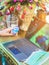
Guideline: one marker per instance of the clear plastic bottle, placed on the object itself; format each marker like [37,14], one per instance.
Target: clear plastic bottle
[8,18]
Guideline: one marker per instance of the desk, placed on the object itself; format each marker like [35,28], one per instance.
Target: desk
[6,39]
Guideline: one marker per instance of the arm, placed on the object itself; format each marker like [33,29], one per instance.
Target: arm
[6,32]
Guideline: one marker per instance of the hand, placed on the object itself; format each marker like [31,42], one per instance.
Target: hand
[6,32]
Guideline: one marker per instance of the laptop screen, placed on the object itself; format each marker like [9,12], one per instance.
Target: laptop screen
[14,50]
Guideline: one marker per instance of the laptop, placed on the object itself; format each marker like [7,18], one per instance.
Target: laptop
[26,50]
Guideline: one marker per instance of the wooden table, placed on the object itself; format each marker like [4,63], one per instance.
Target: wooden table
[6,39]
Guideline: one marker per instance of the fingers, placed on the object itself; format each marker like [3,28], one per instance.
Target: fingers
[6,34]
[7,30]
